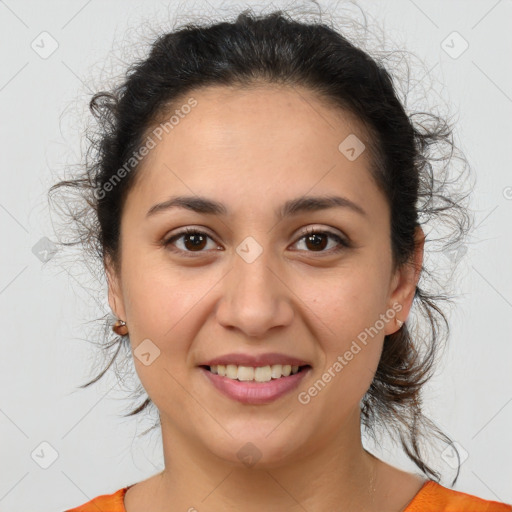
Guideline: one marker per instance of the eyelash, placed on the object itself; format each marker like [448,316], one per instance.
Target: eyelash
[343,244]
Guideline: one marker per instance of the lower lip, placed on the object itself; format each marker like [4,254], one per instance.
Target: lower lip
[255,392]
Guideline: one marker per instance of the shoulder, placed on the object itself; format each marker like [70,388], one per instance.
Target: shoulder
[106,503]
[434,497]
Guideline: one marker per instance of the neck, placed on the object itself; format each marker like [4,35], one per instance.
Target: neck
[335,475]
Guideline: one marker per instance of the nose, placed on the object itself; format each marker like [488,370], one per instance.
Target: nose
[256,297]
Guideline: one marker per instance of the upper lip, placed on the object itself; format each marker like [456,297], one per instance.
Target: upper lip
[268,359]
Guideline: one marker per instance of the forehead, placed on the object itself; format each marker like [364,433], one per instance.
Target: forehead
[225,116]
[257,143]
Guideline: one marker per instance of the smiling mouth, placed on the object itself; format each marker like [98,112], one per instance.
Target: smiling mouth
[255,373]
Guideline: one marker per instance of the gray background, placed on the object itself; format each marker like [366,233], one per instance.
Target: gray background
[44,307]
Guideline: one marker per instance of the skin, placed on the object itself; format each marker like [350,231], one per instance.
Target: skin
[253,150]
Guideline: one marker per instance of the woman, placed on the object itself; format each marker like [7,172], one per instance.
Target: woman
[258,188]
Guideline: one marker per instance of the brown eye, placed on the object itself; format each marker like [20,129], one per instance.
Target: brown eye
[193,241]
[197,241]
[317,240]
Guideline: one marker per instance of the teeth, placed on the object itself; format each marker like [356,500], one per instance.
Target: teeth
[276,371]
[231,371]
[245,373]
[262,374]
[258,373]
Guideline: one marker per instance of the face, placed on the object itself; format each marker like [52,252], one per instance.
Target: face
[250,285]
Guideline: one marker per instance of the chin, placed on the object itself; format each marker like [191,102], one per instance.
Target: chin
[263,448]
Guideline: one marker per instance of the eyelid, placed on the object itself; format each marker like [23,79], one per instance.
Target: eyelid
[322,229]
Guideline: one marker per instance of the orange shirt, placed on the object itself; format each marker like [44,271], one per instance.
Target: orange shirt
[432,497]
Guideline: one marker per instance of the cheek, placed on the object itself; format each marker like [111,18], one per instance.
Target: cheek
[159,298]
[348,327]
[347,303]
[163,307]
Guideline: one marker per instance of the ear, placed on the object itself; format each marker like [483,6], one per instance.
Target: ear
[403,285]
[115,296]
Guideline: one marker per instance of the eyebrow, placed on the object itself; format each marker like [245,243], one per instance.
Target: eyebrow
[207,206]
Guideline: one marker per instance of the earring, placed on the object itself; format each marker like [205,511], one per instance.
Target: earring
[120,328]
[400,323]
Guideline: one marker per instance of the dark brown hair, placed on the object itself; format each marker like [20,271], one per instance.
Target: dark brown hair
[412,155]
